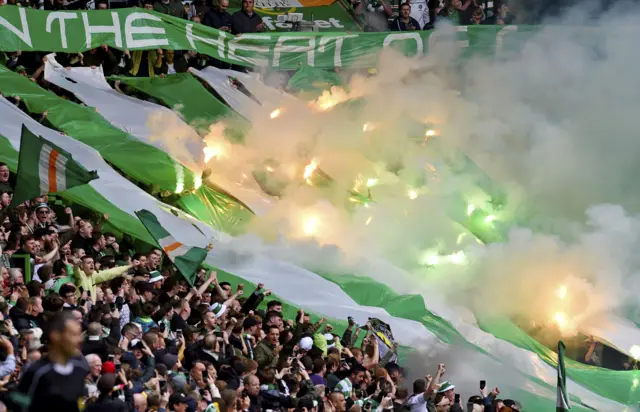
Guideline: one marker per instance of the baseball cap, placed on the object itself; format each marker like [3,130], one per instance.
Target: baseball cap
[445,386]
[143,287]
[306,343]
[179,382]
[170,360]
[188,330]
[155,276]
[177,398]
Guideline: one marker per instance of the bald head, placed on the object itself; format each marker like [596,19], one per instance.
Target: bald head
[222,5]
[338,401]
[94,329]
[139,402]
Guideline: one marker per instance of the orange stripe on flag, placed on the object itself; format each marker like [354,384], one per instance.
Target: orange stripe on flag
[53,156]
[172,247]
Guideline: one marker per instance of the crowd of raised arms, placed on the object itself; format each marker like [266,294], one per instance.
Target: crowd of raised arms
[90,323]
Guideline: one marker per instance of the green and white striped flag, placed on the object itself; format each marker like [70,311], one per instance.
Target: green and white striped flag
[185,258]
[562,401]
[45,168]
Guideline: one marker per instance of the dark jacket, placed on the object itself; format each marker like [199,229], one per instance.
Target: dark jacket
[274,400]
[21,320]
[264,354]
[98,347]
[173,8]
[251,304]
[214,18]
[241,22]
[107,403]
[79,242]
[398,25]
[100,57]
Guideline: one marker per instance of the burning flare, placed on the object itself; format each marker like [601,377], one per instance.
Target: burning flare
[562,292]
[560,318]
[309,169]
[275,113]
[329,99]
[212,151]
[311,225]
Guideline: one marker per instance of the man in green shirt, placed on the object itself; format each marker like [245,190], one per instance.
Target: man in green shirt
[355,378]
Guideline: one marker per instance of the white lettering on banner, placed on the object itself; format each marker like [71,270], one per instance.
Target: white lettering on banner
[405,36]
[219,43]
[320,24]
[268,22]
[62,16]
[257,61]
[24,35]
[336,23]
[271,4]
[337,55]
[447,32]
[500,37]
[281,48]
[130,30]
[91,30]
[462,43]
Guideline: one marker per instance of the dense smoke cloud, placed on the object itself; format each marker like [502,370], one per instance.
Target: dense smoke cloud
[552,125]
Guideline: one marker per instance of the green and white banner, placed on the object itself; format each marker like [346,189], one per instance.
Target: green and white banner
[532,378]
[136,29]
[44,168]
[187,259]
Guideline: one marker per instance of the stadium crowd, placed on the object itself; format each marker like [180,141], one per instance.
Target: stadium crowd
[89,323]
[97,323]
[373,15]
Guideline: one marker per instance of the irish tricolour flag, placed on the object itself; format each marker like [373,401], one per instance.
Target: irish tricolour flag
[45,168]
[562,401]
[185,258]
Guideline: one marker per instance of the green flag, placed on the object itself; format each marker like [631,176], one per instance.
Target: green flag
[313,81]
[45,168]
[562,401]
[186,259]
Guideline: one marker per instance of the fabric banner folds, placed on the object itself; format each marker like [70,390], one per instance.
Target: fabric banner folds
[186,259]
[135,29]
[44,168]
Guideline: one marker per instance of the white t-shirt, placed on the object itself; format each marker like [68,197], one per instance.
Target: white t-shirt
[417,403]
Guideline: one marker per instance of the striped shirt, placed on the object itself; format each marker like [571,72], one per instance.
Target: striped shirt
[345,386]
